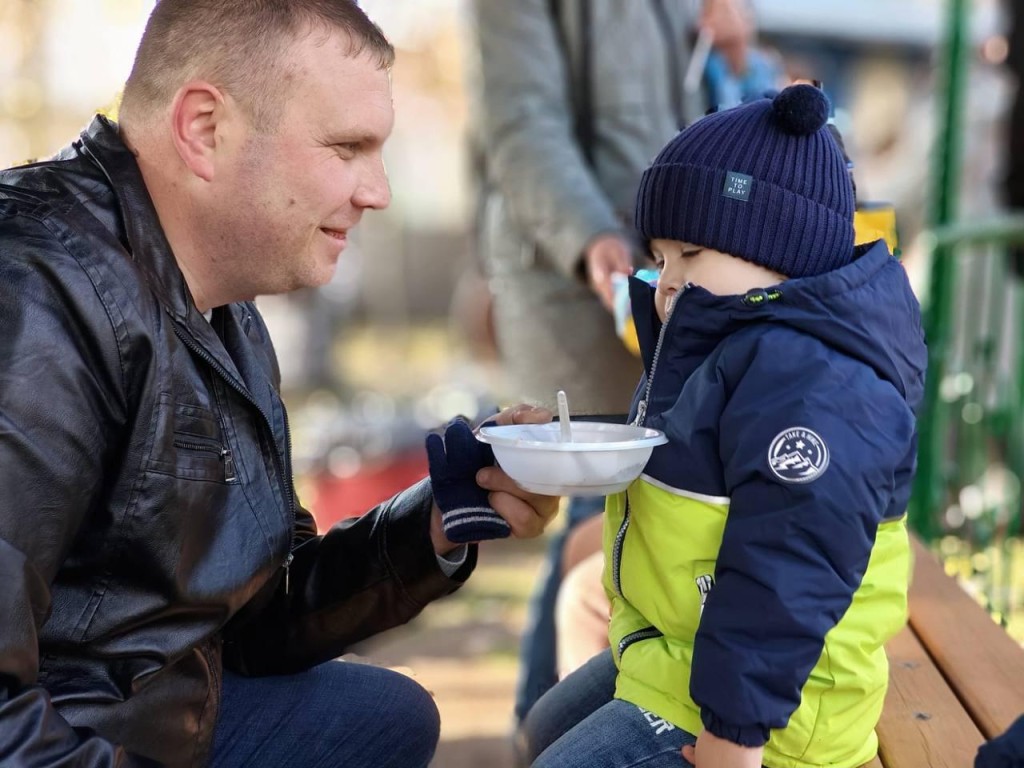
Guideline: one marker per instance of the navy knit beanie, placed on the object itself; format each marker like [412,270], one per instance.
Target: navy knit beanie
[764,181]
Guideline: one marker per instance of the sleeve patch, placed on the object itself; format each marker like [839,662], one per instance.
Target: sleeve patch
[798,455]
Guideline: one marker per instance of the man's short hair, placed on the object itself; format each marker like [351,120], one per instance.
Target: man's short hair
[237,45]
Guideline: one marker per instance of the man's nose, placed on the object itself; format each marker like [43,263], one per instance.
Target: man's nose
[374,189]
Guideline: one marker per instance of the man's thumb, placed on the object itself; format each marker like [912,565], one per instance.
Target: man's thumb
[690,754]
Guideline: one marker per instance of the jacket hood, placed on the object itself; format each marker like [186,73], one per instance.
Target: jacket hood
[865,310]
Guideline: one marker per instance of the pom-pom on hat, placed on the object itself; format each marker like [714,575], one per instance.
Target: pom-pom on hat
[764,181]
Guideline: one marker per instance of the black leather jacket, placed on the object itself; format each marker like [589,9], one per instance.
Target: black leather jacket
[147,512]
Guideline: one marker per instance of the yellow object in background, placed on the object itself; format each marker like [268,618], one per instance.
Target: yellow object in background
[628,335]
[876,221]
[624,325]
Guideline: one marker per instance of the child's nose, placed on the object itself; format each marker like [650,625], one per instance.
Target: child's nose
[665,288]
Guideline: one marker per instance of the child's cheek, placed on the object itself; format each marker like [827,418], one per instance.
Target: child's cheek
[660,304]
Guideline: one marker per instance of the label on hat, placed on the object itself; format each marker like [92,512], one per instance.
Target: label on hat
[738,186]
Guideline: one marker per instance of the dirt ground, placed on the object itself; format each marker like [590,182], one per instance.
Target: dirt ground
[464,650]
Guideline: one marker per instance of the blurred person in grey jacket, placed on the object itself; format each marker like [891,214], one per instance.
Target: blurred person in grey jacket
[573,99]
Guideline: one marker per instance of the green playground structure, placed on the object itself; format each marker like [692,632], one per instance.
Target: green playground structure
[971,452]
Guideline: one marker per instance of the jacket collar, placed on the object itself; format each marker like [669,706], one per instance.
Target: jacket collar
[698,322]
[865,310]
[147,243]
[101,141]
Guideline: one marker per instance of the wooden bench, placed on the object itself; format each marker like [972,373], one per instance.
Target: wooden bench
[956,677]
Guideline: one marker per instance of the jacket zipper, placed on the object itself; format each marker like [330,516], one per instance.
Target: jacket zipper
[647,633]
[288,573]
[641,415]
[282,462]
[223,453]
[287,459]
[620,540]
[641,408]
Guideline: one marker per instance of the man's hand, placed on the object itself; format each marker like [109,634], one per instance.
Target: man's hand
[604,256]
[526,513]
[713,752]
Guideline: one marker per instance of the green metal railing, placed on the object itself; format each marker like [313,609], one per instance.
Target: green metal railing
[930,485]
[971,453]
[971,428]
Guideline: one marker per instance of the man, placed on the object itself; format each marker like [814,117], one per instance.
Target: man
[156,565]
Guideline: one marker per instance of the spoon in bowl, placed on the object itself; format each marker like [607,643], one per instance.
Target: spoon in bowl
[563,417]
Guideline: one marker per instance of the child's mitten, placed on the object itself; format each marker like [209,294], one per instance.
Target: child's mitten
[454,461]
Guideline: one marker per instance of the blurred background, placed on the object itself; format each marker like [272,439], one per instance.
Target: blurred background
[400,342]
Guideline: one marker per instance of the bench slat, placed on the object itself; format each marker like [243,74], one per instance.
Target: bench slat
[876,763]
[982,663]
[941,736]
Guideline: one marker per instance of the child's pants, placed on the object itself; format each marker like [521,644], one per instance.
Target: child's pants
[578,724]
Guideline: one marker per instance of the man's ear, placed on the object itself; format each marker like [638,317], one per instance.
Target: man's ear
[197,108]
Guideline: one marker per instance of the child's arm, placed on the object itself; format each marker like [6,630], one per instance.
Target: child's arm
[816,451]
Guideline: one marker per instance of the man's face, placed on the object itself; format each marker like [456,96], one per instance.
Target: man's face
[284,201]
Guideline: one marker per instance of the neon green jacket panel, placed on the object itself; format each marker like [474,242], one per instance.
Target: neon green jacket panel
[660,558]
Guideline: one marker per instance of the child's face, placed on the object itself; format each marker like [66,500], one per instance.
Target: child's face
[720,273]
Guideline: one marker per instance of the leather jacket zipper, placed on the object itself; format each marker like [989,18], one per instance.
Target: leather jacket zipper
[283,463]
[223,453]
[288,573]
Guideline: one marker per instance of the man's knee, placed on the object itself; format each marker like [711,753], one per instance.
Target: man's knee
[415,722]
[394,715]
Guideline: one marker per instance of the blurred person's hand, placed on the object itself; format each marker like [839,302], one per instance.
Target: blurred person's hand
[527,514]
[604,256]
[711,751]
[731,26]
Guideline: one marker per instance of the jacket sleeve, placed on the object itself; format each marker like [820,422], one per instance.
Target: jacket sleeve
[60,406]
[798,537]
[363,576]
[528,132]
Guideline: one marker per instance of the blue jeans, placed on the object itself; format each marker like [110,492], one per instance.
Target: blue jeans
[538,660]
[337,714]
[578,724]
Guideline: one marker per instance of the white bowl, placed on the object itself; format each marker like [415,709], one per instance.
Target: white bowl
[602,458]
